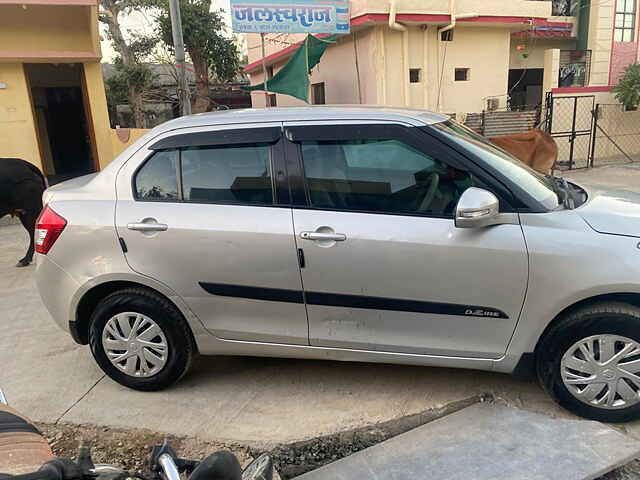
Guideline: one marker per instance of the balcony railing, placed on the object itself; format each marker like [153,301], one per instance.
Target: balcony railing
[563,8]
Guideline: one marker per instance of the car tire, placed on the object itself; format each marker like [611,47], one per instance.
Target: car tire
[154,367]
[576,349]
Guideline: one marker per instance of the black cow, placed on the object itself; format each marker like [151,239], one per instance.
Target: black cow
[21,188]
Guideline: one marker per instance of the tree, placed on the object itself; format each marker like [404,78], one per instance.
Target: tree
[133,77]
[211,53]
[627,90]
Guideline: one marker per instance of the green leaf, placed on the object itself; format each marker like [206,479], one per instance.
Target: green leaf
[627,90]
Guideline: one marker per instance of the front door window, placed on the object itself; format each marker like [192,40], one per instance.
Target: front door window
[386,176]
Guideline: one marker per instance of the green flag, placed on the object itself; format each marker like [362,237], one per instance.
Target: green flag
[293,78]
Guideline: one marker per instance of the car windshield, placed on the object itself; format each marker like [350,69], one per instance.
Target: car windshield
[541,188]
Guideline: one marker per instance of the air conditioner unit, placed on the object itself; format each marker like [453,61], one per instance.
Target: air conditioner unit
[493,104]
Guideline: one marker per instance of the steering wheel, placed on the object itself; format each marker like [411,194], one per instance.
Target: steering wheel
[433,181]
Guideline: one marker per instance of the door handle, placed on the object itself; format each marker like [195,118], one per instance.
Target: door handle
[336,237]
[148,227]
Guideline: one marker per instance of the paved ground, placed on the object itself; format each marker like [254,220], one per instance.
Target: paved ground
[624,177]
[261,401]
[530,446]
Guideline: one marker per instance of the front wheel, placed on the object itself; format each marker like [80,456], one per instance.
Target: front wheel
[589,362]
[140,340]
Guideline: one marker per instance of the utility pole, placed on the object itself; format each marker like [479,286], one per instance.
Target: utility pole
[178,44]
[265,73]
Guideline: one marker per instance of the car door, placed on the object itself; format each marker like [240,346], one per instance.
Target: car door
[199,211]
[385,268]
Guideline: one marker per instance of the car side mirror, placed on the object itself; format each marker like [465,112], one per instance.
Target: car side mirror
[477,208]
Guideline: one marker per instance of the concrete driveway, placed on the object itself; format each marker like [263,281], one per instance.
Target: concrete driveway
[247,400]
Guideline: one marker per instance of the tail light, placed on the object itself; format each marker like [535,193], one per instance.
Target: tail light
[49,226]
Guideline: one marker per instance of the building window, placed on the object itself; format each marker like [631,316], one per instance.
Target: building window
[462,74]
[272,100]
[575,68]
[415,75]
[317,91]
[625,25]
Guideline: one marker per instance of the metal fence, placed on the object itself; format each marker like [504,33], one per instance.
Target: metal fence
[590,134]
[617,135]
[570,122]
[502,122]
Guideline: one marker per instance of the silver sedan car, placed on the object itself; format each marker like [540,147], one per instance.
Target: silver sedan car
[357,234]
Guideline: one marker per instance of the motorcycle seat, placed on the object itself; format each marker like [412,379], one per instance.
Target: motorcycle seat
[23,448]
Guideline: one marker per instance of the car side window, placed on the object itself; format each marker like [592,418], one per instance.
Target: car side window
[157,179]
[386,176]
[227,174]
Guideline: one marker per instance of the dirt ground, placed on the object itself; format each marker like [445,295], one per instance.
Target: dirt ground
[130,448]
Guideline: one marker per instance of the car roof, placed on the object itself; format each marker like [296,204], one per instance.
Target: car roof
[307,113]
[332,113]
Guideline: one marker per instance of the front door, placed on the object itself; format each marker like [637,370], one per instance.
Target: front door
[204,219]
[385,268]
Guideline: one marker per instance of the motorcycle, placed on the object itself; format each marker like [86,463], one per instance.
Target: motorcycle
[22,448]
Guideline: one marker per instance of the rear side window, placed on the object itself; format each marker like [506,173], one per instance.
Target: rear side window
[157,179]
[227,174]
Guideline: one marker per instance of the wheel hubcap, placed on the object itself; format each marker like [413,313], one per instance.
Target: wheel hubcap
[603,371]
[135,344]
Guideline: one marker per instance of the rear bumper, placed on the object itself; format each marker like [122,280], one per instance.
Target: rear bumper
[56,288]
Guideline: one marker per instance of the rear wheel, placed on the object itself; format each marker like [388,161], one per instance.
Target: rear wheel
[590,362]
[140,340]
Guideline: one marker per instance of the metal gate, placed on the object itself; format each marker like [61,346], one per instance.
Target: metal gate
[570,121]
[503,122]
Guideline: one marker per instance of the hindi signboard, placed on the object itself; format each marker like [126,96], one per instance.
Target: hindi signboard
[290,16]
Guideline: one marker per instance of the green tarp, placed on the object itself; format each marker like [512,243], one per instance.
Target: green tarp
[293,78]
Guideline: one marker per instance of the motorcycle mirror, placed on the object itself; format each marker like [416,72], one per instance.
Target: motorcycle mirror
[260,469]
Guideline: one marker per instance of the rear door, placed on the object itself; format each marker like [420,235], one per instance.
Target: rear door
[385,267]
[201,212]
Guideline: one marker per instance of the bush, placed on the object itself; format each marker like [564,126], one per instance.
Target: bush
[627,90]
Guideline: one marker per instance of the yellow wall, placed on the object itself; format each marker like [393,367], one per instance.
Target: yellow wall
[489,68]
[600,36]
[520,8]
[17,130]
[45,28]
[551,69]
[118,146]
[535,49]
[385,57]
[99,112]
[338,72]
[51,34]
